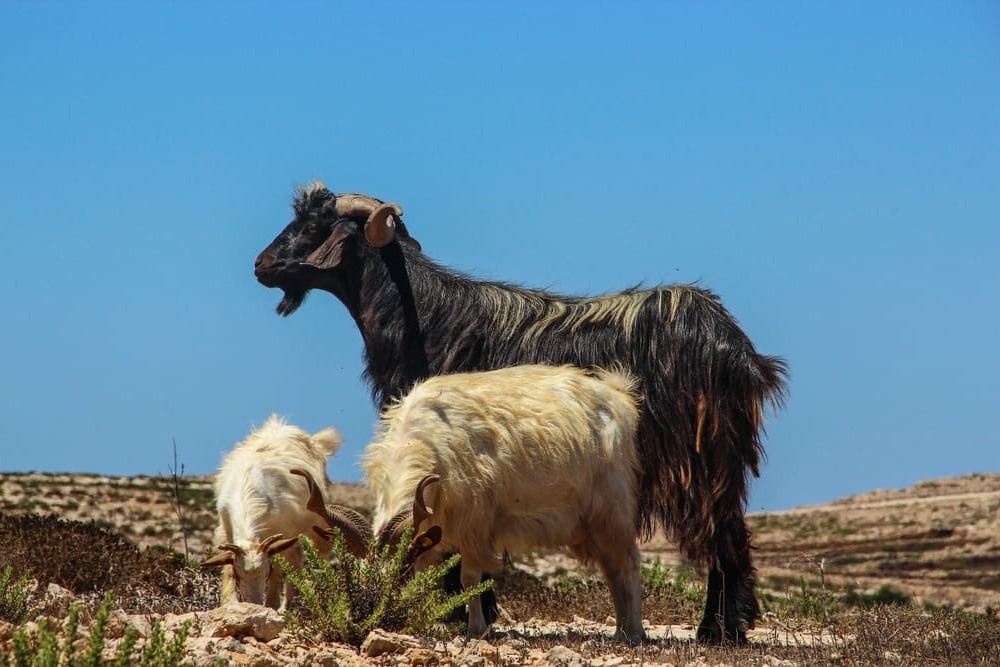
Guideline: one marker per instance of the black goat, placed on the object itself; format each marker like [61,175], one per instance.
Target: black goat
[704,384]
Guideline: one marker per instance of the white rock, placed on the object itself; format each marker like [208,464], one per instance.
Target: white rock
[560,655]
[238,619]
[380,642]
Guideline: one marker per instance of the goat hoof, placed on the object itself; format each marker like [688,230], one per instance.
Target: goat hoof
[712,635]
[630,638]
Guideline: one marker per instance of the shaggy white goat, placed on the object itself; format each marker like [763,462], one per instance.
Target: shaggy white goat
[512,460]
[262,509]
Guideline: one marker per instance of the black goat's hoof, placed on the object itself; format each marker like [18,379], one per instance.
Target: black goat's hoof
[712,635]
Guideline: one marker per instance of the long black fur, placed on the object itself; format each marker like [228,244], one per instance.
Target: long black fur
[705,387]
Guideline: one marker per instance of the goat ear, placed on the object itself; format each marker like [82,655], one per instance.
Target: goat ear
[380,229]
[329,254]
[280,545]
[424,542]
[219,559]
[405,234]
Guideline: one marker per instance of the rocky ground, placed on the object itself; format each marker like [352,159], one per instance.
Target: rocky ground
[937,544]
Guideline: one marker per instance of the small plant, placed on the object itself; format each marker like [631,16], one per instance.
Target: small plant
[43,648]
[809,603]
[14,596]
[884,595]
[346,598]
[657,580]
[178,502]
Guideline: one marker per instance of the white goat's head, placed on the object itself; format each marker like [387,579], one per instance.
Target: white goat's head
[252,566]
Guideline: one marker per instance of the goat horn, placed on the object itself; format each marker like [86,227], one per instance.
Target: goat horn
[354,205]
[352,525]
[380,229]
[355,529]
[393,531]
[236,549]
[420,509]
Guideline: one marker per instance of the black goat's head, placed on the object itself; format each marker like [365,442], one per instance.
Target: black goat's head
[321,238]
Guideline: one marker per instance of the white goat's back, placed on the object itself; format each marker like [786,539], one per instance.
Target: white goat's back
[529,456]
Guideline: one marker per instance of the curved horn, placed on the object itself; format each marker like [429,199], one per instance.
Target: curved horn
[355,529]
[354,205]
[380,229]
[420,509]
[392,532]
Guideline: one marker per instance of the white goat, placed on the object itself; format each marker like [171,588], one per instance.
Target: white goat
[262,509]
[512,460]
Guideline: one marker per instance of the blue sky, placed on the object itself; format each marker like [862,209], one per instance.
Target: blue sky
[832,170]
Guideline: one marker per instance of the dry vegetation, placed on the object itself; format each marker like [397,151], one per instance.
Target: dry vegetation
[889,577]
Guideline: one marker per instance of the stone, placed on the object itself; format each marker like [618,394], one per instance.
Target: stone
[380,642]
[560,655]
[423,656]
[237,619]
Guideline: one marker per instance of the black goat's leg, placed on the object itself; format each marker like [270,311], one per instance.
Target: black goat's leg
[731,606]
[453,586]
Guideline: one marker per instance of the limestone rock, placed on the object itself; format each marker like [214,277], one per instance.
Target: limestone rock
[380,642]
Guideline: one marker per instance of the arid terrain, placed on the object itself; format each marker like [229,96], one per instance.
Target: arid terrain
[934,546]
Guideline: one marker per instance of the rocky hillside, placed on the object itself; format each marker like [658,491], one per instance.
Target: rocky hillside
[936,544]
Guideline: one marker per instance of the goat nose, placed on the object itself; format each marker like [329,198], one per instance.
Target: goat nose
[264,260]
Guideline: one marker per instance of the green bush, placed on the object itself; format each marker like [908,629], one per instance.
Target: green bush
[43,647]
[885,594]
[14,596]
[345,598]
[809,605]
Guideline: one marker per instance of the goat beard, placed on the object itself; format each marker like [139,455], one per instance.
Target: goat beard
[290,302]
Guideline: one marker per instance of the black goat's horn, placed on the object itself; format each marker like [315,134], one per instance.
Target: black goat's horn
[354,205]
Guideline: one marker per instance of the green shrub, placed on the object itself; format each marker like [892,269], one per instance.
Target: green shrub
[43,647]
[884,595]
[345,598]
[810,604]
[14,596]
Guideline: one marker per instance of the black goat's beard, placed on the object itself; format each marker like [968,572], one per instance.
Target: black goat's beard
[290,302]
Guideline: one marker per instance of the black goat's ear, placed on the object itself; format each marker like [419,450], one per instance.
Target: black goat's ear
[329,254]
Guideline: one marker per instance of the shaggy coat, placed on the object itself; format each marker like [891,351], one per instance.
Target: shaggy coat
[257,498]
[519,470]
[705,386]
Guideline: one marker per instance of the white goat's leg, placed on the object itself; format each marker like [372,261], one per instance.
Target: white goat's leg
[477,622]
[295,557]
[227,590]
[622,574]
